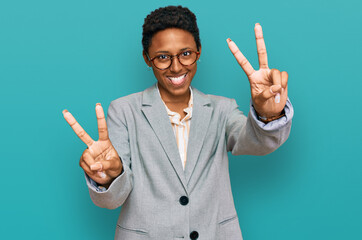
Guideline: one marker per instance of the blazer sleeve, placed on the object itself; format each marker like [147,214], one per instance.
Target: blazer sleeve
[120,188]
[249,136]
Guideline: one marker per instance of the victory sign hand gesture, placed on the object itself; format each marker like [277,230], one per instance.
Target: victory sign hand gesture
[100,160]
[269,87]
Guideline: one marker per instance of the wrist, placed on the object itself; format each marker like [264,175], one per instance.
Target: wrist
[267,119]
[106,185]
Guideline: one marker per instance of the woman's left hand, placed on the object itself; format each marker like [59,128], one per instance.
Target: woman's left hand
[269,87]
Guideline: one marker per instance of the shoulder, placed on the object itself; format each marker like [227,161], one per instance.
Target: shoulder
[215,101]
[220,100]
[133,103]
[131,99]
[134,100]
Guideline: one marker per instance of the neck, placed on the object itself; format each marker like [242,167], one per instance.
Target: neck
[180,99]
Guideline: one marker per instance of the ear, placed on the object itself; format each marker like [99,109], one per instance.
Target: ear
[148,62]
[199,52]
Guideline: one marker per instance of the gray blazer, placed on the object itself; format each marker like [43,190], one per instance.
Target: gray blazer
[159,199]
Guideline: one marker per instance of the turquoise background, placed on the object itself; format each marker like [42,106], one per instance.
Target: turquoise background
[73,54]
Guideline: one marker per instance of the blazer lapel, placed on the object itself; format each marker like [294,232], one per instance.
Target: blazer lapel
[154,110]
[201,115]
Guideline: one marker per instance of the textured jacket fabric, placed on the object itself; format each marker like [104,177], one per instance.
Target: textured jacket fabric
[159,199]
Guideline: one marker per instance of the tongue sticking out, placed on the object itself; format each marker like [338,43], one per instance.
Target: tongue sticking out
[178,80]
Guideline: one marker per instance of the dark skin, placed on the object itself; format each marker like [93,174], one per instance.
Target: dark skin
[269,87]
[269,92]
[173,41]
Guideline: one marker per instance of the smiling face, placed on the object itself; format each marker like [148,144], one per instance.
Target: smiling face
[174,81]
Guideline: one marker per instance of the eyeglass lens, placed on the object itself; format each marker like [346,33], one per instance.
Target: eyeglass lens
[164,61]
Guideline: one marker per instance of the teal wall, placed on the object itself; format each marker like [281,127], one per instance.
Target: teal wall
[73,54]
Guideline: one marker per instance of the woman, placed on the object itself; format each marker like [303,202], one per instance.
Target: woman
[164,155]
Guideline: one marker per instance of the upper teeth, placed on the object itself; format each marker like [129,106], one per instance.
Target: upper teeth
[177,78]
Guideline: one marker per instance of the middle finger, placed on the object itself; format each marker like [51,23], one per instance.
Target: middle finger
[102,125]
[260,45]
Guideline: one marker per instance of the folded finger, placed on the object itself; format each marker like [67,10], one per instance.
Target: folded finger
[276,77]
[83,135]
[107,165]
[90,172]
[284,79]
[87,158]
[240,58]
[102,125]
[270,92]
[97,166]
[111,164]
[86,168]
[260,45]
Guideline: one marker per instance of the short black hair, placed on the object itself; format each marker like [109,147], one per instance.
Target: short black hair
[169,17]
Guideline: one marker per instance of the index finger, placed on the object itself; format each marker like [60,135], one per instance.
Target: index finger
[102,124]
[240,58]
[260,46]
[83,135]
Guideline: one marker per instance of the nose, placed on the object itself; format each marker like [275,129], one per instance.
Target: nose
[175,65]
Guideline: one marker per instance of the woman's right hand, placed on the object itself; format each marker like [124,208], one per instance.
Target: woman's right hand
[100,160]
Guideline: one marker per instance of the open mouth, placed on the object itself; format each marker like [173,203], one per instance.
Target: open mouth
[178,80]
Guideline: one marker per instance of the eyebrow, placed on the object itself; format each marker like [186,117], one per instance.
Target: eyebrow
[183,49]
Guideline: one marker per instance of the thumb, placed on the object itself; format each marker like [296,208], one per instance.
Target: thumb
[96,166]
[272,91]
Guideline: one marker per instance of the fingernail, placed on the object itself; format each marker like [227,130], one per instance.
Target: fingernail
[228,40]
[66,115]
[257,24]
[98,106]
[65,111]
[271,90]
[277,98]
[102,174]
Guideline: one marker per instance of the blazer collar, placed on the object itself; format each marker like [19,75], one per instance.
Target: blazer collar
[201,116]
[156,114]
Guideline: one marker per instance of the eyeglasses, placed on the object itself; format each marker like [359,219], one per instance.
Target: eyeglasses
[164,61]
